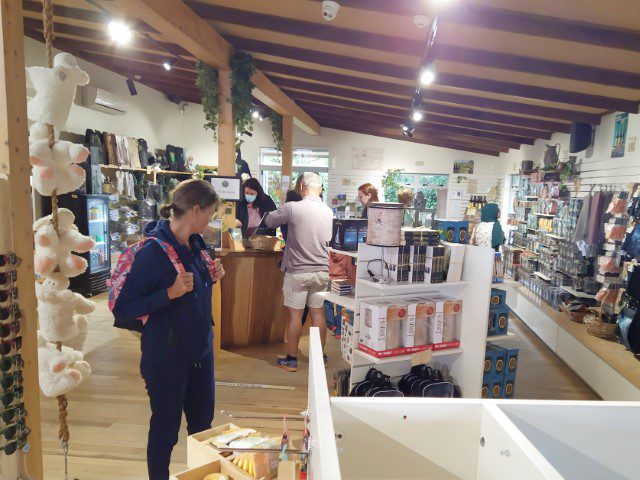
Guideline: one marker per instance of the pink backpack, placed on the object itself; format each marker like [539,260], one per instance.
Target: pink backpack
[123,267]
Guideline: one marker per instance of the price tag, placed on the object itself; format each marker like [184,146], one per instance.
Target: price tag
[421,357]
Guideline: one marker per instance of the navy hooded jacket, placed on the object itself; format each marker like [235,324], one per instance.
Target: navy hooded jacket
[180,326]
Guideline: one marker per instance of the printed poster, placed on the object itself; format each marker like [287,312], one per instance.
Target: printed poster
[620,135]
[367,158]
[463,166]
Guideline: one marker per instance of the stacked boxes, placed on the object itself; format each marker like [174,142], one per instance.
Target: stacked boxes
[498,313]
[416,263]
[421,236]
[388,328]
[453,231]
[500,366]
[347,233]
[454,254]
[346,337]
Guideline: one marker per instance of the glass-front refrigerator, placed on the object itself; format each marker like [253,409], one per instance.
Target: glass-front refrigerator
[92,219]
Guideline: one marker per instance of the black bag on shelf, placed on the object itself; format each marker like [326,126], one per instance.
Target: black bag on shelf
[360,389]
[176,157]
[629,329]
[437,390]
[384,388]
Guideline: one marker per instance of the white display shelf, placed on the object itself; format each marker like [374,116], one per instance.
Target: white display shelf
[550,215]
[344,252]
[409,287]
[369,359]
[498,338]
[347,301]
[577,294]
[97,220]
[542,276]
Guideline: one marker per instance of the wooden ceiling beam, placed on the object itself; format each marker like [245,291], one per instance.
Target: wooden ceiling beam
[346,105]
[290,84]
[443,78]
[320,111]
[538,66]
[419,129]
[393,134]
[314,75]
[319,31]
[543,26]
[394,7]
[182,26]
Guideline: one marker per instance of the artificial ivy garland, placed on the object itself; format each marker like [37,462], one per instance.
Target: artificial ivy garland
[207,82]
[242,69]
[276,129]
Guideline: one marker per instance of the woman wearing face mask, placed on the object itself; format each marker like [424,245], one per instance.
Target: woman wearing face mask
[367,193]
[177,339]
[250,211]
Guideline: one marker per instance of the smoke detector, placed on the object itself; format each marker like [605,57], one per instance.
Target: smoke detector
[421,21]
[330,9]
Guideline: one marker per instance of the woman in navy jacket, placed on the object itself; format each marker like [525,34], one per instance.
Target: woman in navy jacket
[177,339]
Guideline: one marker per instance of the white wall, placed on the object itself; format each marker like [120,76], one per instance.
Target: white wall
[152,117]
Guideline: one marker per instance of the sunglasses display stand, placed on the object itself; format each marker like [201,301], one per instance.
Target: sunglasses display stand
[408,438]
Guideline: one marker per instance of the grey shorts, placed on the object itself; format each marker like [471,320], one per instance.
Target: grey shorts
[302,289]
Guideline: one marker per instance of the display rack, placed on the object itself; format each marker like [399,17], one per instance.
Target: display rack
[465,363]
[153,173]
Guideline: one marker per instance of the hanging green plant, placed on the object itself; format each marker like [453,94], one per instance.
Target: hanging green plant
[207,83]
[276,130]
[242,69]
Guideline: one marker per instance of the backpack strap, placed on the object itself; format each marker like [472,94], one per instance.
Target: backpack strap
[171,253]
[208,262]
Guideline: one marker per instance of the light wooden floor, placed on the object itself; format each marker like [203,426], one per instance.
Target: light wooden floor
[109,412]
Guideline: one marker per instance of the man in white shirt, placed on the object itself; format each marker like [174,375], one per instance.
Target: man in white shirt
[305,262]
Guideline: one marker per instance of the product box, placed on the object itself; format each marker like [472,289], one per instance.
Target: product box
[491,327]
[498,357]
[437,260]
[424,312]
[347,233]
[496,385]
[453,231]
[418,257]
[454,272]
[347,316]
[454,252]
[485,388]
[512,361]
[421,236]
[444,326]
[199,452]
[498,297]
[501,319]
[222,466]
[346,340]
[386,329]
[509,385]
[397,263]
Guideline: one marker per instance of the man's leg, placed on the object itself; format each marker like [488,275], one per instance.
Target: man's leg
[294,330]
[317,320]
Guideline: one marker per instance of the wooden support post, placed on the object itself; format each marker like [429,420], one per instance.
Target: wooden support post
[287,152]
[226,129]
[14,146]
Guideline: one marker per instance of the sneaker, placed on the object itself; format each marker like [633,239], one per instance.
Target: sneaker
[288,365]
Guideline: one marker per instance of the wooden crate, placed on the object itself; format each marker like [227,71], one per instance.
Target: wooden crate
[199,452]
[218,466]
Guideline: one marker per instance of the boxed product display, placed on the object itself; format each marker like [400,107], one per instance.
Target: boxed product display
[424,313]
[444,325]
[417,263]
[500,368]
[454,254]
[397,263]
[216,470]
[453,231]
[347,233]
[387,328]
[500,320]
[498,297]
[421,236]
[496,356]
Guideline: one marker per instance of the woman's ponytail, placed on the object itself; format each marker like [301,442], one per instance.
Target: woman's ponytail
[165,211]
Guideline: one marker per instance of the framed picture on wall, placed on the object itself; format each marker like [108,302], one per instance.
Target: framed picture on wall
[620,135]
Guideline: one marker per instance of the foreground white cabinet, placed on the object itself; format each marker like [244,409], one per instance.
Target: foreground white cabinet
[363,438]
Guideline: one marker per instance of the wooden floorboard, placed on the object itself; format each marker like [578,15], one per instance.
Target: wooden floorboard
[109,412]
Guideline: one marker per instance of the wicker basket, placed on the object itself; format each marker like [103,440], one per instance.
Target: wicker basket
[597,328]
[263,242]
[577,317]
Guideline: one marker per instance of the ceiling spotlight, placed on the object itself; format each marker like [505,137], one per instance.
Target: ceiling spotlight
[119,32]
[260,117]
[168,64]
[407,130]
[416,115]
[255,114]
[428,74]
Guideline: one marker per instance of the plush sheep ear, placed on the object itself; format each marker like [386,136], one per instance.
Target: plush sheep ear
[58,367]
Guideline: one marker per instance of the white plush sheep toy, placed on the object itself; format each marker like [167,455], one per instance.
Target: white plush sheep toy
[62,313]
[55,89]
[59,372]
[53,250]
[55,168]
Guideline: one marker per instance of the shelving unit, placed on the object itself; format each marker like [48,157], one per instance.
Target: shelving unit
[577,294]
[499,338]
[465,363]
[148,171]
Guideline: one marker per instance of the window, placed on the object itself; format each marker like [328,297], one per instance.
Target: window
[304,160]
[426,183]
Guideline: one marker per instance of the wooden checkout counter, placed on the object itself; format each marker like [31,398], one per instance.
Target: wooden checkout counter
[247,302]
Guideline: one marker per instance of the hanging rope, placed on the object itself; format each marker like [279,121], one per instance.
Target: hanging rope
[47,23]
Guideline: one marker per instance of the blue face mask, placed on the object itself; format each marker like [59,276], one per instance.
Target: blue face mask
[251,198]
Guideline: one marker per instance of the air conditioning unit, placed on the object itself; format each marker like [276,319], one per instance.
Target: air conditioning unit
[100,100]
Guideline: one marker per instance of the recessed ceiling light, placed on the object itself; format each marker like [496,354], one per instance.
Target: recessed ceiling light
[120,32]
[417,115]
[428,74]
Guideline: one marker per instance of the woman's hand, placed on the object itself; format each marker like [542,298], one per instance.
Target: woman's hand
[182,285]
[218,272]
[238,223]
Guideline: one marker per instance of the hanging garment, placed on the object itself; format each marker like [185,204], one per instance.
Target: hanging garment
[121,150]
[120,181]
[594,224]
[110,145]
[132,149]
[580,235]
[143,153]
[129,185]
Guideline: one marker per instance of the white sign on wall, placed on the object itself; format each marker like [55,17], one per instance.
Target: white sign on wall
[367,158]
[227,187]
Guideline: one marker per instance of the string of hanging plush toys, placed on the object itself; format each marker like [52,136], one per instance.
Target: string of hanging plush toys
[55,171]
